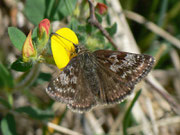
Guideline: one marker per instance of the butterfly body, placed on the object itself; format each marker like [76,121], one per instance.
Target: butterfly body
[100,77]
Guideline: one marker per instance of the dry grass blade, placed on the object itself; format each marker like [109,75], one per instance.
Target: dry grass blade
[153,27]
[163,122]
[159,123]
[124,36]
[176,62]
[62,129]
[159,88]
[152,116]
[94,123]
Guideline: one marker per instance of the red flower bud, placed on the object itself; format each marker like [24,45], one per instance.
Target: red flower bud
[102,8]
[43,35]
[44,26]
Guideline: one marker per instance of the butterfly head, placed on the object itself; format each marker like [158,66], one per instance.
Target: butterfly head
[79,49]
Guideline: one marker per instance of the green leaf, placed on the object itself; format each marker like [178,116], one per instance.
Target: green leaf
[5,103]
[112,30]
[81,28]
[34,34]
[35,10]
[5,77]
[90,29]
[82,38]
[101,1]
[43,77]
[8,125]
[53,9]
[10,99]
[73,24]
[128,112]
[99,18]
[17,37]
[19,65]
[66,7]
[35,113]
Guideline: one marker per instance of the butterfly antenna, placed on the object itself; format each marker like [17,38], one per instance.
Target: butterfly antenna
[53,33]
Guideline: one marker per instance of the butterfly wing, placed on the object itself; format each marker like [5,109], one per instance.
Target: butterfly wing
[119,72]
[103,77]
[69,87]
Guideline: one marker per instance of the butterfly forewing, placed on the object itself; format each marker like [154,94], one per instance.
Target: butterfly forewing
[129,67]
[70,87]
[119,72]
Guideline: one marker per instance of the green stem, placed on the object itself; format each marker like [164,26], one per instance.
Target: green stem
[162,15]
[54,9]
[128,112]
[30,77]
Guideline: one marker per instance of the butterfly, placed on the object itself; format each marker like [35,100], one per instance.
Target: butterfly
[101,77]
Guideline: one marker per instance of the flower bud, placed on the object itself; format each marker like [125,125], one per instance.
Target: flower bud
[28,51]
[43,28]
[102,8]
[43,34]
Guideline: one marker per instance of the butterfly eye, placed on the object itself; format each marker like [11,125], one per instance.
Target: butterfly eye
[76,48]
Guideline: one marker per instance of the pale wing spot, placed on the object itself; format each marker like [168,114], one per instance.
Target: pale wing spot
[54,82]
[68,89]
[135,70]
[129,72]
[59,89]
[124,75]
[73,90]
[129,59]
[114,68]
[64,79]
[64,91]
[115,58]
[56,88]
[141,65]
[71,70]
[105,61]
[47,90]
[73,80]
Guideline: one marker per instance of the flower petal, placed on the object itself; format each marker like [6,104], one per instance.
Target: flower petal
[62,46]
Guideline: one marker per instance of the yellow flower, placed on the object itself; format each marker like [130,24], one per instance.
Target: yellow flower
[62,46]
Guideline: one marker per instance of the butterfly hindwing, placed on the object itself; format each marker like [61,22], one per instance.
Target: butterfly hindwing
[112,90]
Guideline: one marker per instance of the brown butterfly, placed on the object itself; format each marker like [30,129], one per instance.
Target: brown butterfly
[98,78]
